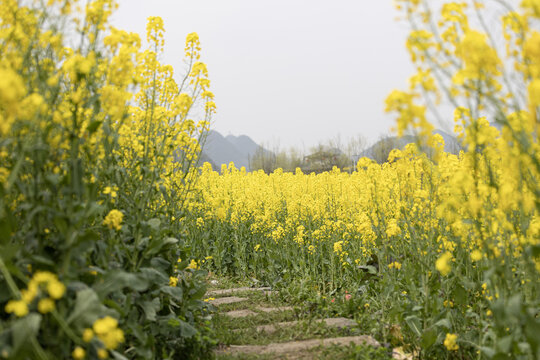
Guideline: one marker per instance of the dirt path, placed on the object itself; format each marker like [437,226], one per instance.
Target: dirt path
[252,323]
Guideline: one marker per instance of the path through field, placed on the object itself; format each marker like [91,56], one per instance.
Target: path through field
[252,323]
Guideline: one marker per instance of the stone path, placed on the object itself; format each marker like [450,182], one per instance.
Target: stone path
[227,300]
[297,346]
[332,322]
[249,325]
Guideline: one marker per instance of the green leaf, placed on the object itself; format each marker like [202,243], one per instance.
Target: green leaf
[156,245]
[444,323]
[514,305]
[460,295]
[175,292]
[151,308]
[197,293]
[116,355]
[187,329]
[154,224]
[88,308]
[154,276]
[429,337]
[25,328]
[94,125]
[489,352]
[501,356]
[115,280]
[414,324]
[504,343]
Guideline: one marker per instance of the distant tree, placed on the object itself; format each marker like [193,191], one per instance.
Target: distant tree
[264,159]
[382,148]
[324,158]
[354,149]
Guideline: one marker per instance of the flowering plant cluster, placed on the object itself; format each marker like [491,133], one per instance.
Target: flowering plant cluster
[444,247]
[98,152]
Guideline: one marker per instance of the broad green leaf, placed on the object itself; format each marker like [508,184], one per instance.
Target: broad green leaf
[151,308]
[175,292]
[429,337]
[155,245]
[154,224]
[25,328]
[444,323]
[116,280]
[414,324]
[187,329]
[87,308]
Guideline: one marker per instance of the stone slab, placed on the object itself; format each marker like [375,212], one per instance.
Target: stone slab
[235,290]
[297,346]
[274,309]
[332,322]
[227,300]
[240,313]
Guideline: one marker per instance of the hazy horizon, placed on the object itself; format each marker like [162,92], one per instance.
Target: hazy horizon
[288,73]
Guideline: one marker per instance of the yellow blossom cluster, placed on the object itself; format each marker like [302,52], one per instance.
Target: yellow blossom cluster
[43,283]
[113,220]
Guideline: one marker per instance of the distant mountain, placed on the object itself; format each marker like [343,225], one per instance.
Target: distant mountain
[220,150]
[244,144]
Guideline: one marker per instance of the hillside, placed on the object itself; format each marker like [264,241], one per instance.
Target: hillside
[220,150]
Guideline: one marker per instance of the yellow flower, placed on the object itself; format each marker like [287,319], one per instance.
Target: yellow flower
[173,280]
[102,354]
[257,247]
[114,219]
[88,335]
[28,295]
[450,342]
[113,338]
[193,265]
[394,265]
[443,263]
[43,277]
[338,247]
[17,307]
[78,353]
[107,331]
[45,305]
[56,289]
[104,325]
[476,255]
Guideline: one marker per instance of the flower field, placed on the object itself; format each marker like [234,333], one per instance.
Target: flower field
[109,225]
[442,250]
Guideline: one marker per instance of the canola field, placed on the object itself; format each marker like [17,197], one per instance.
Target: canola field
[109,226]
[442,246]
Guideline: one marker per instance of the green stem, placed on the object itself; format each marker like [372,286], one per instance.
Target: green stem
[11,283]
[63,324]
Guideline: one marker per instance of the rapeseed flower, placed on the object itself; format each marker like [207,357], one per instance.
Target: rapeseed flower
[443,264]
[46,305]
[17,307]
[114,219]
[78,353]
[450,342]
[106,329]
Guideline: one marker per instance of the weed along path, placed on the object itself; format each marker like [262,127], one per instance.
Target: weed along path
[253,323]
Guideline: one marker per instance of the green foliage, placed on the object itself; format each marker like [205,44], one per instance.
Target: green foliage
[89,249]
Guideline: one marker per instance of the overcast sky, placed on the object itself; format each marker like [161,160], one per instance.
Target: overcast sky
[291,72]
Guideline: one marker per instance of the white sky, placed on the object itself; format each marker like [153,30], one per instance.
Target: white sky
[290,72]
